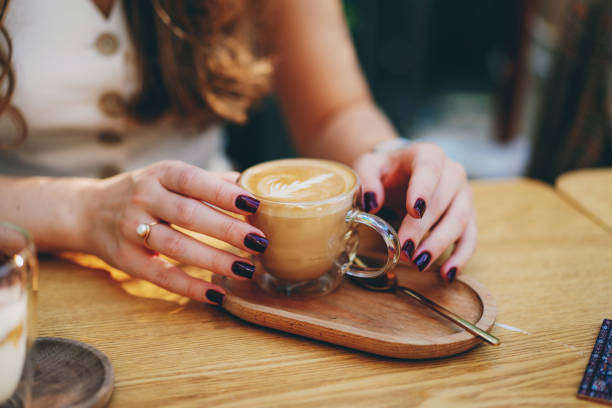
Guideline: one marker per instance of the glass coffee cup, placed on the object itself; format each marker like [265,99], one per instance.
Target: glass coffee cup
[18,290]
[309,211]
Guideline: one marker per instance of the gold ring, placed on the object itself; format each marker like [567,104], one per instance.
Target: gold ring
[144,230]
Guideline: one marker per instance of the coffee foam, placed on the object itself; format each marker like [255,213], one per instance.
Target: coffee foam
[298,180]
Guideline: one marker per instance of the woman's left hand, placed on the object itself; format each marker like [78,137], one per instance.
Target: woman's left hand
[433,191]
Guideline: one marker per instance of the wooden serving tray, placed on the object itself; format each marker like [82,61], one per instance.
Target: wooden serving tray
[388,324]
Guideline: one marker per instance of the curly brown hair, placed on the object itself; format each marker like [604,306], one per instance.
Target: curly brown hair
[199,61]
[7,86]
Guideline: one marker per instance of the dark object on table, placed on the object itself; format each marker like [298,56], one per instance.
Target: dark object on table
[69,373]
[596,384]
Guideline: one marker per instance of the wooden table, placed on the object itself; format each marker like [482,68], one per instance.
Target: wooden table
[590,190]
[547,264]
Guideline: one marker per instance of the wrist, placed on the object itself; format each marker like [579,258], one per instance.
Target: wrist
[83,203]
[351,132]
[69,207]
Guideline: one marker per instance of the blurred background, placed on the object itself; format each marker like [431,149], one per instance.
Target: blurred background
[476,77]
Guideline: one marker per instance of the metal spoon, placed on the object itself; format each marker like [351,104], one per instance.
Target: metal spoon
[388,283]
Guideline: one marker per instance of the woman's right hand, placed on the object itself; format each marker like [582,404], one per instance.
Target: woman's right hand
[172,192]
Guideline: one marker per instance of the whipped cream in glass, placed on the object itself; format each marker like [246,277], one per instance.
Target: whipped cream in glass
[13,338]
[18,294]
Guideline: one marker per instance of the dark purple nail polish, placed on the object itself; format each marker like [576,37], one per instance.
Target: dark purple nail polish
[422,260]
[215,296]
[450,275]
[243,269]
[256,242]
[420,207]
[369,201]
[408,248]
[247,203]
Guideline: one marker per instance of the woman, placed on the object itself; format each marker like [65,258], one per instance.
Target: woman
[182,65]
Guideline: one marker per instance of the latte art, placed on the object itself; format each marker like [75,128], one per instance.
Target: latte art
[288,187]
[275,186]
[298,180]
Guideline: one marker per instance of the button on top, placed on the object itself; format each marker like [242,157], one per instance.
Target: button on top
[112,104]
[108,137]
[107,43]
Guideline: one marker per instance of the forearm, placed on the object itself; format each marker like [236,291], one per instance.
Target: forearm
[50,209]
[348,133]
[324,95]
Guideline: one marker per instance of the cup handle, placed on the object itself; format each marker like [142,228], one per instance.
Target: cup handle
[388,234]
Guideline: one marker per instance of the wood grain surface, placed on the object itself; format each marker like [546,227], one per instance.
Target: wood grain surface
[590,190]
[547,265]
[387,324]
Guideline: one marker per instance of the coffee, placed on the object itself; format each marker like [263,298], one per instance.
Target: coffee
[302,212]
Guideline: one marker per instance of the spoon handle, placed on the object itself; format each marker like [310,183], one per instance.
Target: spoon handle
[442,311]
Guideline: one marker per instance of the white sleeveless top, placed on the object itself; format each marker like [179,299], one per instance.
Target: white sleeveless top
[74,68]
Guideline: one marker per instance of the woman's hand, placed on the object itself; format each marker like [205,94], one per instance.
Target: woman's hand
[433,192]
[173,193]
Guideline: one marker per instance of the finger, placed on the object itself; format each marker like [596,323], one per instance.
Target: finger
[187,250]
[229,176]
[199,217]
[447,231]
[371,167]
[463,251]
[202,185]
[162,273]
[412,229]
[425,162]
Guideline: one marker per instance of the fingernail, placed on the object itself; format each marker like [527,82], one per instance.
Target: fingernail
[369,201]
[215,296]
[450,275]
[420,206]
[256,242]
[422,260]
[246,203]
[408,248]
[243,269]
